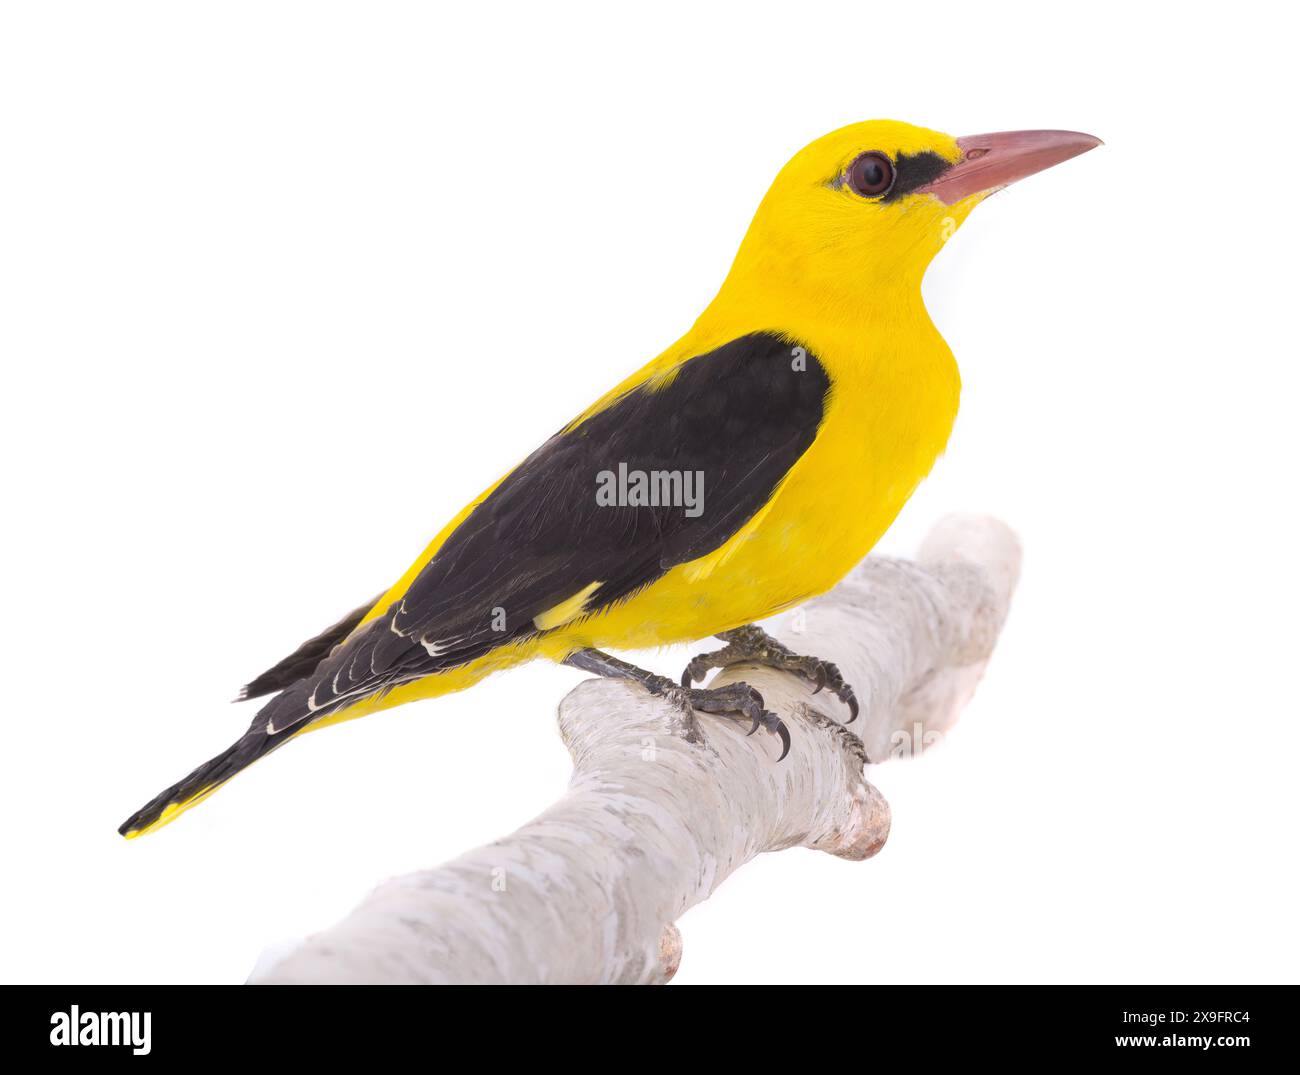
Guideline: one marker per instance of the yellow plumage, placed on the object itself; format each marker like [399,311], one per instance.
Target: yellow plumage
[840,275]
[813,270]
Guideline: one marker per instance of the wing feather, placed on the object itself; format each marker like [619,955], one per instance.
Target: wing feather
[740,416]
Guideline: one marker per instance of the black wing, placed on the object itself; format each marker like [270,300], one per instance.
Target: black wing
[729,424]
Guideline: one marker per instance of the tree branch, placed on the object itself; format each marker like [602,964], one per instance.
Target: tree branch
[652,823]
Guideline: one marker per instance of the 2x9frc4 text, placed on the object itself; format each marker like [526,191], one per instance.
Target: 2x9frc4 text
[1157,1018]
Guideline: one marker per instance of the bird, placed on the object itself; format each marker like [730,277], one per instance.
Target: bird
[744,470]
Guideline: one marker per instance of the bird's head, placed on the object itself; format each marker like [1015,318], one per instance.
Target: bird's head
[861,211]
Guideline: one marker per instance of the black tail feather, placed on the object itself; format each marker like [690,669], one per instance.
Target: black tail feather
[254,744]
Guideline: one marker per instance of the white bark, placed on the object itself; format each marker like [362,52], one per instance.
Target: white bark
[652,823]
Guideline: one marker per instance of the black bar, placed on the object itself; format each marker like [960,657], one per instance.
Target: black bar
[243,1024]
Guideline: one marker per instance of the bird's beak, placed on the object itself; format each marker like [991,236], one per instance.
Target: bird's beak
[990,162]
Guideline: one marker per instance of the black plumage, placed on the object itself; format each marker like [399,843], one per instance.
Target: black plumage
[740,415]
[305,658]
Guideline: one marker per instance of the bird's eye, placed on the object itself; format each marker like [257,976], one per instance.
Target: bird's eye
[871,175]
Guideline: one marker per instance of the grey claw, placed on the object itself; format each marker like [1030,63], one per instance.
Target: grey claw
[784,733]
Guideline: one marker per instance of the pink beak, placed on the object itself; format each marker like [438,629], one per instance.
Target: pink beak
[990,162]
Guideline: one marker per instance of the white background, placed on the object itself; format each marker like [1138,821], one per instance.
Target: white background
[283,285]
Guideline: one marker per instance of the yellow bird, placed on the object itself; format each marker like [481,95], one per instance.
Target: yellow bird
[744,470]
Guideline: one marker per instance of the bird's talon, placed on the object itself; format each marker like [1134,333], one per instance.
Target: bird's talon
[784,733]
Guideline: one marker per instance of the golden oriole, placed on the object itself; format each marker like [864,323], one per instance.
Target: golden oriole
[744,470]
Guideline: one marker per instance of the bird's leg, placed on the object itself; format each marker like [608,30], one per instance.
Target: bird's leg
[752,645]
[733,698]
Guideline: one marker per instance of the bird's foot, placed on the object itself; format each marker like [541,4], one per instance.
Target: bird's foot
[737,698]
[752,645]
[734,698]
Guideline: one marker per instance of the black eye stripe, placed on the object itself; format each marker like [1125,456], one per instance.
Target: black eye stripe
[911,170]
[915,170]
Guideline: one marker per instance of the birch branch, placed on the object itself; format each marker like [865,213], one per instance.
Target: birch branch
[652,824]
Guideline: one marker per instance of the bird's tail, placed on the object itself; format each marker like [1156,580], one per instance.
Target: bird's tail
[167,806]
